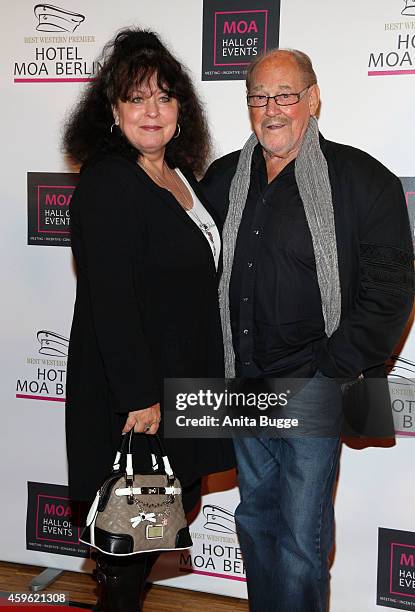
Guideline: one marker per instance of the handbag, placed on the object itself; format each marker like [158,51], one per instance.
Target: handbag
[137,513]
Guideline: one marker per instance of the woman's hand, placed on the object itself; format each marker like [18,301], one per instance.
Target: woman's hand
[146,420]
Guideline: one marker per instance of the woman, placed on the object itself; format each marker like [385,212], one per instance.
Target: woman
[146,252]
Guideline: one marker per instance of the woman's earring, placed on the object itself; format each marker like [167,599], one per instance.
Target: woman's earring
[177,133]
[116,123]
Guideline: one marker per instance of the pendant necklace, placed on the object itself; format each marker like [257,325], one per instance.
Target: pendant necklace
[185,201]
[153,175]
[204,227]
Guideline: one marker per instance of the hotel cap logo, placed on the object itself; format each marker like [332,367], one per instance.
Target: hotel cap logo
[218,519]
[55,19]
[52,344]
[409,8]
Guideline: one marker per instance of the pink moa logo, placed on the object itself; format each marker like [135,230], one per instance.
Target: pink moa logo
[407,560]
[60,199]
[53,208]
[57,510]
[240,27]
[239,36]
[54,520]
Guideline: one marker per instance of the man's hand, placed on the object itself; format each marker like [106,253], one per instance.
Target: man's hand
[146,420]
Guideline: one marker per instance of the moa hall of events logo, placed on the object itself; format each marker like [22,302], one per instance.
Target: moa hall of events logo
[215,550]
[52,522]
[57,47]
[235,32]
[44,375]
[48,198]
[392,50]
[396,569]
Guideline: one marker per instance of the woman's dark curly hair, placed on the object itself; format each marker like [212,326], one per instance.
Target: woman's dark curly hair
[130,59]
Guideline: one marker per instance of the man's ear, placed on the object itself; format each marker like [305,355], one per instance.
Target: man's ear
[313,99]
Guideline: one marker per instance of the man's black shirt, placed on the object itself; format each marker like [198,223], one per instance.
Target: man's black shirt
[274,294]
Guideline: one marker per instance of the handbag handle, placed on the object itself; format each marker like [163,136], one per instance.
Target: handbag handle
[126,440]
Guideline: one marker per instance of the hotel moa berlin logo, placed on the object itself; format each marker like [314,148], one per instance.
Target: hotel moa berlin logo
[57,46]
[392,47]
[215,551]
[396,569]
[235,32]
[43,376]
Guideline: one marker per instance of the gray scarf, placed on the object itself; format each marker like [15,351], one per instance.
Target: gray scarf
[311,173]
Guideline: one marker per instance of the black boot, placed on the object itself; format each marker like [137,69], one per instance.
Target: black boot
[121,581]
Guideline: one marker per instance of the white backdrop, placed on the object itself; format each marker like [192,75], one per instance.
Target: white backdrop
[374,113]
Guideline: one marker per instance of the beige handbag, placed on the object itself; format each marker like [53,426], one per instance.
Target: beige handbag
[136,513]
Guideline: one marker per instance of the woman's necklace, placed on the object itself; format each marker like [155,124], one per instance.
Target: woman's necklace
[185,200]
[181,196]
[205,227]
[152,174]
[191,209]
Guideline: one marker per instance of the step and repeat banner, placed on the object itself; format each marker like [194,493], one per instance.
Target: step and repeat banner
[364,56]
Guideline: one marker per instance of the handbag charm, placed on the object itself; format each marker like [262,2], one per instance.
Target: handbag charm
[135,513]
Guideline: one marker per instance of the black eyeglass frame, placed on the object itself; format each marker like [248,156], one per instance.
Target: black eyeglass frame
[268,98]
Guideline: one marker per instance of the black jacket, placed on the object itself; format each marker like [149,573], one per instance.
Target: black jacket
[146,309]
[375,255]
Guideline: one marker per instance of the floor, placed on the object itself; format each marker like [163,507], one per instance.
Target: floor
[80,588]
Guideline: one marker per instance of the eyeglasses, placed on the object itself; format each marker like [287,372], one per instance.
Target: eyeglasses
[284,99]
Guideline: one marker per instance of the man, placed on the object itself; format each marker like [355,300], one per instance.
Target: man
[316,284]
